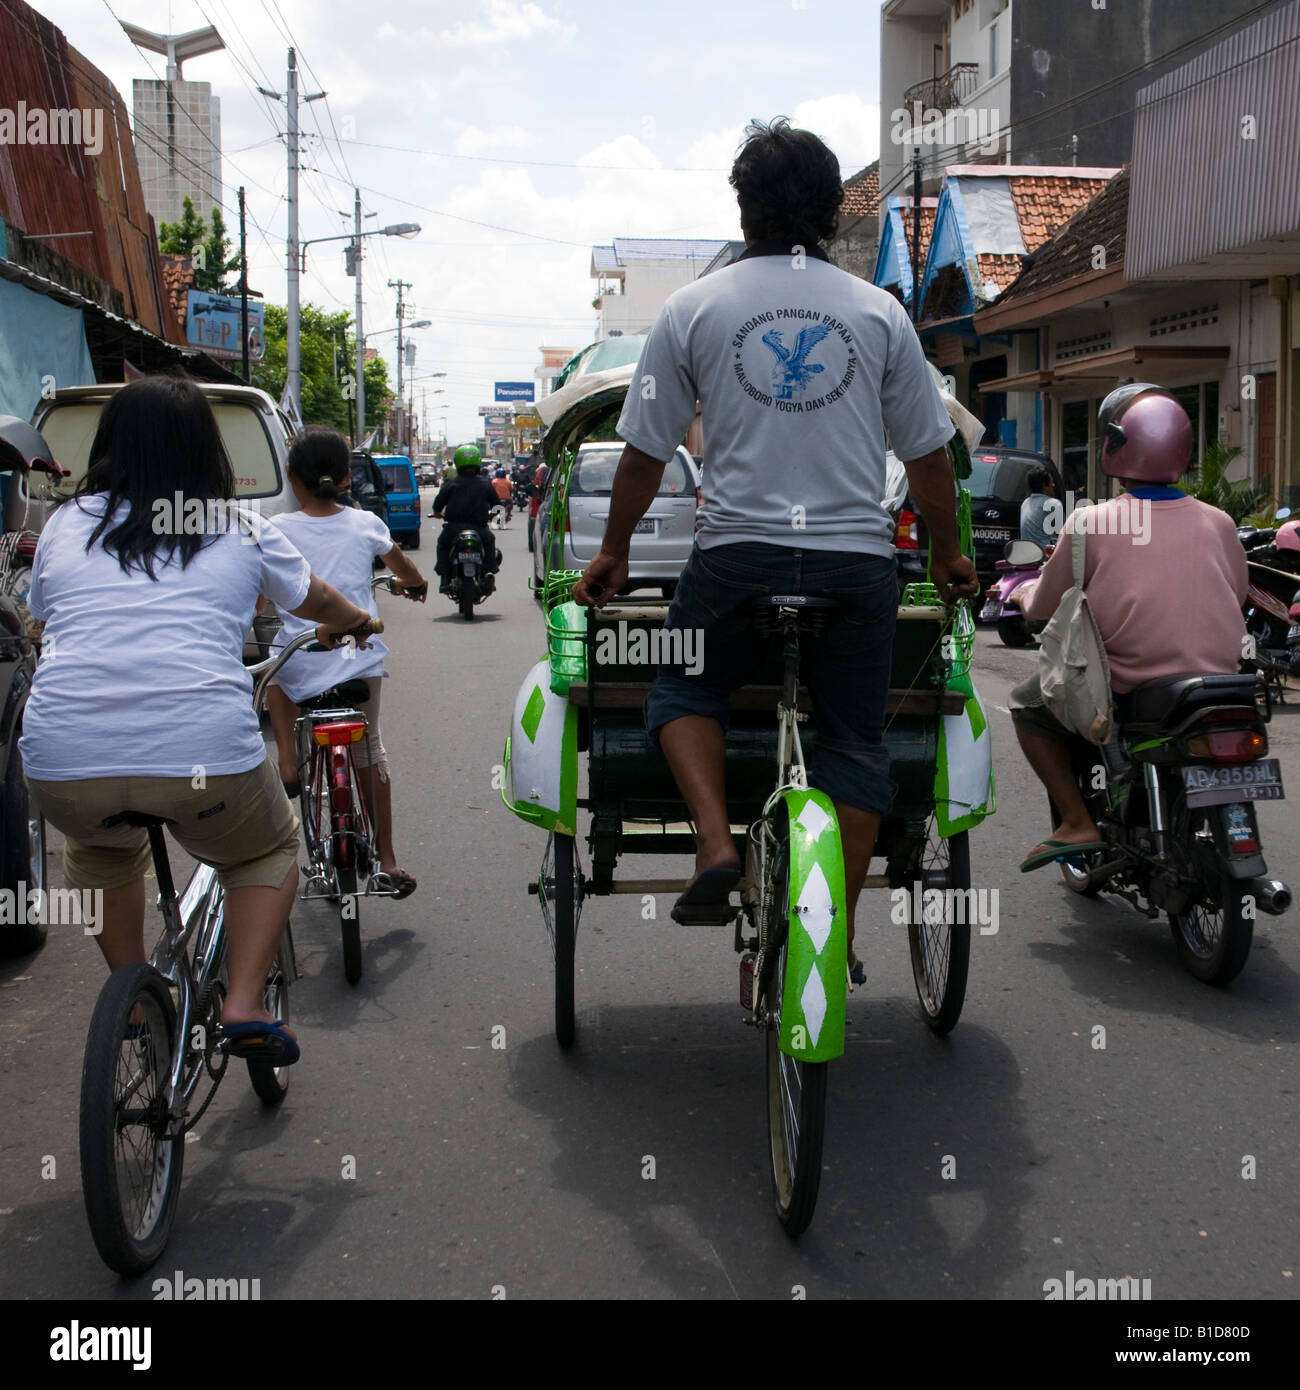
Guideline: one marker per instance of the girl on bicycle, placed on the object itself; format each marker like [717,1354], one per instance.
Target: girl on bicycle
[341,544]
[141,701]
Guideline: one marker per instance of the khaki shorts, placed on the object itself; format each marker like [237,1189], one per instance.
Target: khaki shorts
[240,822]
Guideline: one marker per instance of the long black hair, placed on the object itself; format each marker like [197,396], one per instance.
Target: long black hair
[321,460]
[157,437]
[787,183]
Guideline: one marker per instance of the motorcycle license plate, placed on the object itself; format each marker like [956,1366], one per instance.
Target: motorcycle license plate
[992,533]
[991,610]
[1217,786]
[1293,637]
[644,528]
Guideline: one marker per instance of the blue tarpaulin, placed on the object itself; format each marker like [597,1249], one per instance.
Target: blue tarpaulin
[42,347]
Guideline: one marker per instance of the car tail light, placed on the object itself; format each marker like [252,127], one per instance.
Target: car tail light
[1229,746]
[908,535]
[339,731]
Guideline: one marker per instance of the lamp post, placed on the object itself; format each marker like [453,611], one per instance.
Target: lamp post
[354,257]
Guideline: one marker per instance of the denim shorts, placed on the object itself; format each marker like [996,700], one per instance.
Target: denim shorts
[846,669]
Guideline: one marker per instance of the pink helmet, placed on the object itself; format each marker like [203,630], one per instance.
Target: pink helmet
[1288,536]
[1146,435]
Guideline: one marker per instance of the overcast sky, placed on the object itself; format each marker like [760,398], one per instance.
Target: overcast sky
[541,129]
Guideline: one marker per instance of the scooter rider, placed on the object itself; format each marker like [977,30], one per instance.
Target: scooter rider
[465,502]
[1151,552]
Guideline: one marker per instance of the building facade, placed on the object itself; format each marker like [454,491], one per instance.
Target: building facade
[636,275]
[177,127]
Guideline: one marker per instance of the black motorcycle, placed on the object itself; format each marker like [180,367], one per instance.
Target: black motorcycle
[469,579]
[1174,797]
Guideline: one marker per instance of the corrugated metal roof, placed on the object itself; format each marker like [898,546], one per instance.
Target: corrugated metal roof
[65,188]
[665,249]
[1199,185]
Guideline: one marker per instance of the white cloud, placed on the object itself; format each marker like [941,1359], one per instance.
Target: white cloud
[506,19]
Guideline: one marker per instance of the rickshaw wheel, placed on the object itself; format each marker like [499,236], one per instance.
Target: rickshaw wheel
[796,1091]
[940,949]
[560,887]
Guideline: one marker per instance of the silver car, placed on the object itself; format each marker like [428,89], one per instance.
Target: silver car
[662,541]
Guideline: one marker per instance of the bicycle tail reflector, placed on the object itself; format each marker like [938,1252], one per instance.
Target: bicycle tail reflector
[339,731]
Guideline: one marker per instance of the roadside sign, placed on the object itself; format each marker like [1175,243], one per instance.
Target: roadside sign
[514,390]
[212,323]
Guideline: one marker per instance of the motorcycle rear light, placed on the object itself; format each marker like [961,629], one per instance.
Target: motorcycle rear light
[339,731]
[1229,746]
[26,544]
[907,536]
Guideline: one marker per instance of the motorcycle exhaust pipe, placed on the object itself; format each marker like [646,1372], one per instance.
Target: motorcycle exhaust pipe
[1271,895]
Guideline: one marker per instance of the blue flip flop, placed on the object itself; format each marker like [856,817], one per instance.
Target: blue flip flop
[266,1042]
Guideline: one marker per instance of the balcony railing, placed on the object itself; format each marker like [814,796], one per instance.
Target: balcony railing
[946,91]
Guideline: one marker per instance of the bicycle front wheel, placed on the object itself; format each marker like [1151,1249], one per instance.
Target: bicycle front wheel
[796,1091]
[131,1152]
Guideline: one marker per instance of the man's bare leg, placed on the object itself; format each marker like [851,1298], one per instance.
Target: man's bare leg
[696,749]
[283,715]
[1050,760]
[858,831]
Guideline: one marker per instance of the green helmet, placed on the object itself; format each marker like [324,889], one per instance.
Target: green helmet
[467,456]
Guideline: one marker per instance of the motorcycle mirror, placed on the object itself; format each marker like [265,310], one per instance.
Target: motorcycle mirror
[1022,553]
[1282,513]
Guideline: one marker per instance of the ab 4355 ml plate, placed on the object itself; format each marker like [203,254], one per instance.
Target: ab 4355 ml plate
[1217,786]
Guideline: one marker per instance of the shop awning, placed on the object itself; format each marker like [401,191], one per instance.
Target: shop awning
[1157,364]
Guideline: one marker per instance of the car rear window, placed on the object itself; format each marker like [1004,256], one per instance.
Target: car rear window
[69,430]
[1002,478]
[397,477]
[593,476]
[363,485]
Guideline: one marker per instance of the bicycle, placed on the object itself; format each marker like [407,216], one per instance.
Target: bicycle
[155,1040]
[335,809]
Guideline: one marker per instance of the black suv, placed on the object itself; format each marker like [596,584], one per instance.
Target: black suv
[998,484]
[368,490]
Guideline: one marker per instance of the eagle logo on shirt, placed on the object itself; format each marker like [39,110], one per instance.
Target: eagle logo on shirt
[792,371]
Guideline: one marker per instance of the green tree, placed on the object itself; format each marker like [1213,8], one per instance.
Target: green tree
[327,358]
[1209,483]
[190,235]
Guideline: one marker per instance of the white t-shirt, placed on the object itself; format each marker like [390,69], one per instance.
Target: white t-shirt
[341,550]
[141,677]
[799,371]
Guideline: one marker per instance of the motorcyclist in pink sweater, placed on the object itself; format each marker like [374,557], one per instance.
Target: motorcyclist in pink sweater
[1165,576]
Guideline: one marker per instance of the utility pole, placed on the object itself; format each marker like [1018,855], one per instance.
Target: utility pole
[243,284]
[293,373]
[399,286]
[361,337]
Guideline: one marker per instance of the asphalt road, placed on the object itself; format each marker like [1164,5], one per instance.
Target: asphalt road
[518,1168]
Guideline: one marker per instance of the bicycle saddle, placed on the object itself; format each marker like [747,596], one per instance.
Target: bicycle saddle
[810,611]
[139,818]
[345,693]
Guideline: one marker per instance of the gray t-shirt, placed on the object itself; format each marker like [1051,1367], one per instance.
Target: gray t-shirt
[1040,519]
[799,373]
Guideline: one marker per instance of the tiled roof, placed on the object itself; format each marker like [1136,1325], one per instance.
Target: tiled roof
[178,279]
[1100,222]
[861,194]
[929,207]
[1045,203]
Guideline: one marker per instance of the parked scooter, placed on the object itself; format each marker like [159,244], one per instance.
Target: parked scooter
[469,580]
[1268,608]
[1022,564]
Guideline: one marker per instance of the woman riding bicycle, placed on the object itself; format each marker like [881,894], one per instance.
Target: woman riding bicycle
[141,701]
[341,544]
